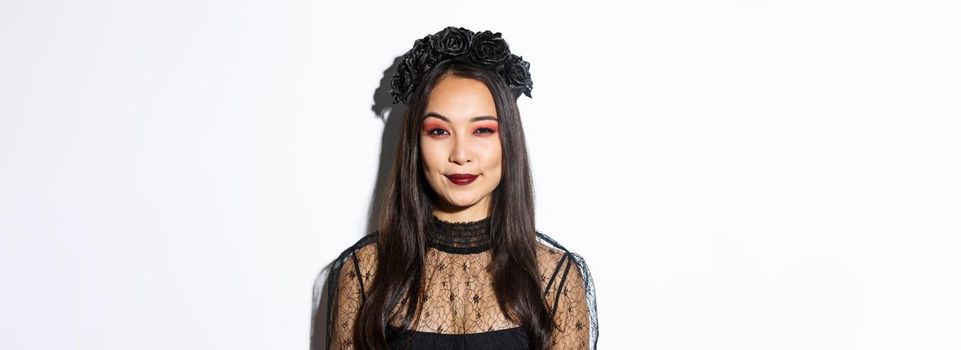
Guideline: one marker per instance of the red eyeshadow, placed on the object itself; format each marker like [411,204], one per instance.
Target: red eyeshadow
[433,125]
[492,126]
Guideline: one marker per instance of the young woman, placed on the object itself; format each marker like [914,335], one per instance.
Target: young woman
[456,262]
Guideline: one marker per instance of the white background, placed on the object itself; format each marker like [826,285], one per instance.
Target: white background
[737,174]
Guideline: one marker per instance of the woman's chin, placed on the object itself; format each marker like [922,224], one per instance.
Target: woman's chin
[461,202]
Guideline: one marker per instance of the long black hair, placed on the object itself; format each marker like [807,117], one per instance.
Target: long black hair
[407,206]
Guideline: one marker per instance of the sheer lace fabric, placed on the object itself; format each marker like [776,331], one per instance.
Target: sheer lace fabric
[458,307]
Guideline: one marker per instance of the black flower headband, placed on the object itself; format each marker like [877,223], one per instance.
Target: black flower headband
[484,48]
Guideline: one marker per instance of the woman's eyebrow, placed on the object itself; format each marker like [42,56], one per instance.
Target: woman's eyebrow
[474,119]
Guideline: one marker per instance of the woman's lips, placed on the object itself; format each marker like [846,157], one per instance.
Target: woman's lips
[461,179]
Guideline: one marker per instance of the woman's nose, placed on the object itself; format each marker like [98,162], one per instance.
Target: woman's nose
[460,154]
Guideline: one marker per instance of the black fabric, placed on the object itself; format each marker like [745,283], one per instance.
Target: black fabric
[459,237]
[504,339]
[459,309]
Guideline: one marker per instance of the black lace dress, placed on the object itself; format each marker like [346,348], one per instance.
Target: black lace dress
[459,309]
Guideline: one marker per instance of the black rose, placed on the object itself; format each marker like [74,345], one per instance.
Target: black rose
[518,75]
[400,84]
[452,41]
[489,48]
[411,68]
[421,57]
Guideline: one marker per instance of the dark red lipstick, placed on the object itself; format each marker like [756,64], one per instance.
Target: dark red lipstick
[461,179]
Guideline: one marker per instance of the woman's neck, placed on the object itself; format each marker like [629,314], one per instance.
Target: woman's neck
[472,213]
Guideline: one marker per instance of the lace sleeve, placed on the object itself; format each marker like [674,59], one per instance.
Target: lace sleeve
[350,277]
[575,308]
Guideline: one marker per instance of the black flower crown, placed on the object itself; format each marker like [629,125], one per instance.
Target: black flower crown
[484,48]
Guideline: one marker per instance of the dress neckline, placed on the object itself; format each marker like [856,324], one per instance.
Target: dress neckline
[399,329]
[462,237]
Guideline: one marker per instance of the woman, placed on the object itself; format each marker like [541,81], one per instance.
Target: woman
[456,261]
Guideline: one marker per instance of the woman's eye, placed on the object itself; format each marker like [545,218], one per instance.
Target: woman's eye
[435,131]
[485,130]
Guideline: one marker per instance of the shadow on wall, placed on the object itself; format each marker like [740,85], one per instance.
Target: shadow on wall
[392,115]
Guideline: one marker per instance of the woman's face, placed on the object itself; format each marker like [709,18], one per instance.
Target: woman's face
[460,146]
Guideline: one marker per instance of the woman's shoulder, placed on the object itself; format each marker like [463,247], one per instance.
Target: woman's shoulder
[367,242]
[363,252]
[552,256]
[568,287]
[549,247]
[563,272]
